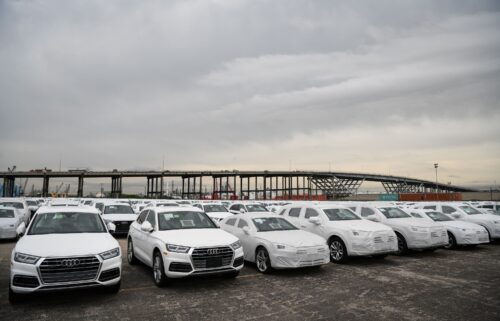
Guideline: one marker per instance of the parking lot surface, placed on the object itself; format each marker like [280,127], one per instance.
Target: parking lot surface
[462,284]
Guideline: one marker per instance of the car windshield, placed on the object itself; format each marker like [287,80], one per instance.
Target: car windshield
[438,217]
[167,205]
[393,212]
[66,222]
[256,208]
[13,204]
[6,213]
[268,224]
[340,214]
[118,209]
[184,220]
[470,210]
[214,208]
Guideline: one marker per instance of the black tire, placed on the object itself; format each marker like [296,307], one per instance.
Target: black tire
[159,276]
[402,246]
[113,289]
[131,258]
[338,250]
[263,261]
[15,298]
[452,242]
[379,256]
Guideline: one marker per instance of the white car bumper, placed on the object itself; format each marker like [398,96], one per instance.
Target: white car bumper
[474,237]
[179,265]
[423,240]
[300,257]
[8,233]
[29,278]
[375,243]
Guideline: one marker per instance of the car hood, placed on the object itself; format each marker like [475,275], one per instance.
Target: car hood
[119,217]
[410,221]
[66,244]
[219,215]
[363,225]
[199,237]
[295,238]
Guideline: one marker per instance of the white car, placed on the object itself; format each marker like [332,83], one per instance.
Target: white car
[216,211]
[271,242]
[459,232]
[238,208]
[121,215]
[412,233]
[10,219]
[345,233]
[467,213]
[19,204]
[64,248]
[181,241]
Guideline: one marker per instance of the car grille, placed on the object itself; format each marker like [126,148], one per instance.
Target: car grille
[70,269]
[109,275]
[208,258]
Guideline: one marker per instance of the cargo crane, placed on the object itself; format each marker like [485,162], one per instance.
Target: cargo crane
[58,188]
[23,190]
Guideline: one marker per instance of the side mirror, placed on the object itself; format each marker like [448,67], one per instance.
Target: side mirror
[242,210]
[246,229]
[111,227]
[373,218]
[21,229]
[147,227]
[315,220]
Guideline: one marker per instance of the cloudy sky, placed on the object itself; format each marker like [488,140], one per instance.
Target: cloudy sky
[386,87]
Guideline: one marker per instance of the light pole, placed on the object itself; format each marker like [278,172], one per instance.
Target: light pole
[436,165]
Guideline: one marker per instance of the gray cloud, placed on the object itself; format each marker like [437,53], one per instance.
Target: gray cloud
[370,86]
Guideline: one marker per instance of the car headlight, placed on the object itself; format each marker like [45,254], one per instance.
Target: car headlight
[359,233]
[177,248]
[236,245]
[110,254]
[26,258]
[419,229]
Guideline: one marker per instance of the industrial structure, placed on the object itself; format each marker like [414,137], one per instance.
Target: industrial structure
[240,184]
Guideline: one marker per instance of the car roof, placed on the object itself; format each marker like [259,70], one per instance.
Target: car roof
[161,209]
[68,209]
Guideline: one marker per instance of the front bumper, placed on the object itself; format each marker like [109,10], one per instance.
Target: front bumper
[179,265]
[431,239]
[26,278]
[300,257]
[373,244]
[8,233]
[471,238]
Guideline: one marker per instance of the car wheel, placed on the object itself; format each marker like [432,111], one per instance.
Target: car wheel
[263,261]
[15,298]
[115,288]
[338,251]
[130,253]
[380,256]
[402,247]
[159,276]
[452,242]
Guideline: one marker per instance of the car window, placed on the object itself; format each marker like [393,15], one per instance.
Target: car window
[294,212]
[311,213]
[231,221]
[393,212]
[99,206]
[66,222]
[242,223]
[142,216]
[235,207]
[430,207]
[118,209]
[448,209]
[6,213]
[13,204]
[416,215]
[340,214]
[365,211]
[152,218]
[282,211]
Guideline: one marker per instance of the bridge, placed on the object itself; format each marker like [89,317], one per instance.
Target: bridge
[226,184]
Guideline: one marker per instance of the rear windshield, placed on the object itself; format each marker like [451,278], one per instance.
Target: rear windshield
[5,213]
[118,209]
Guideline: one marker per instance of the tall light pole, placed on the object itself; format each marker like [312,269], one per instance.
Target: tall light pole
[436,165]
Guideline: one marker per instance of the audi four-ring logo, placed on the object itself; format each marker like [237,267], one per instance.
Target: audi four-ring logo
[70,262]
[212,251]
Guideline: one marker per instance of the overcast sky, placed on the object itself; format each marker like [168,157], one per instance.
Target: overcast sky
[386,87]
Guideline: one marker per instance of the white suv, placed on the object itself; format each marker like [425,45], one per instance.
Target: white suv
[64,248]
[181,241]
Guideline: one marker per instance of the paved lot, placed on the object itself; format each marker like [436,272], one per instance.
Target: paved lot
[444,285]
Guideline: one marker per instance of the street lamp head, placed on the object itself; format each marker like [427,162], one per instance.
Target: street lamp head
[436,165]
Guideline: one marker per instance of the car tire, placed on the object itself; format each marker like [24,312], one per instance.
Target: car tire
[379,256]
[338,250]
[159,276]
[262,260]
[131,258]
[452,242]
[15,298]
[402,246]
[113,289]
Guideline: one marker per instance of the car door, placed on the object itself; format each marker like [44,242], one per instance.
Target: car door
[150,238]
[293,215]
[305,224]
[246,239]
[139,236]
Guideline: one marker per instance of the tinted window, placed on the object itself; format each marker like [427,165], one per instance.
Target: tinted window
[340,214]
[231,221]
[184,220]
[235,207]
[99,206]
[215,208]
[448,209]
[429,207]
[311,213]
[365,211]
[272,224]
[438,217]
[416,215]
[5,213]
[470,210]
[118,209]
[282,211]
[142,217]
[152,218]
[60,223]
[294,212]
[256,208]
[242,223]
[393,212]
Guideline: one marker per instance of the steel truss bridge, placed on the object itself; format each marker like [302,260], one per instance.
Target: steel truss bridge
[226,184]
